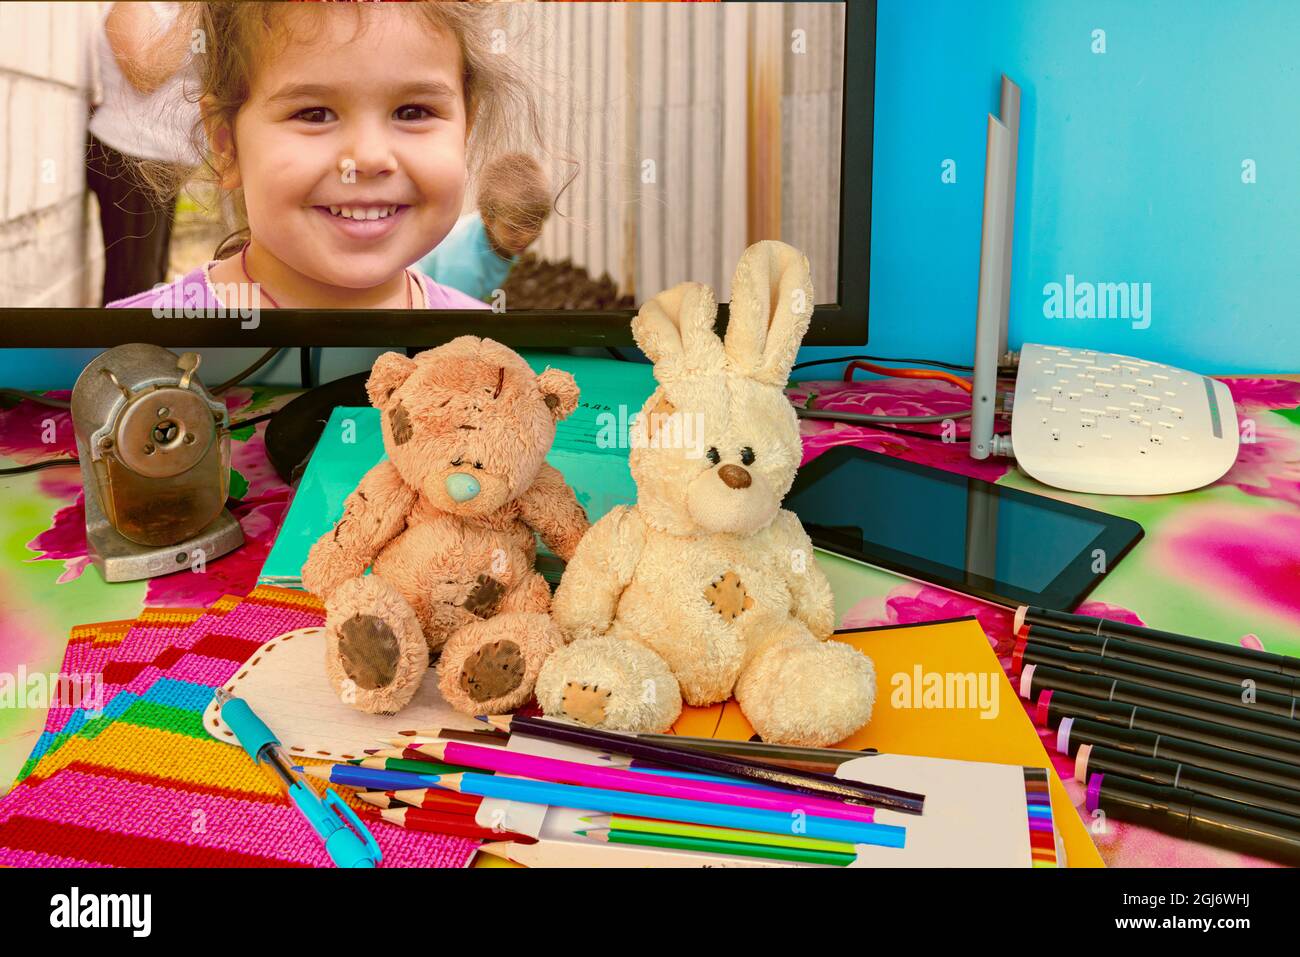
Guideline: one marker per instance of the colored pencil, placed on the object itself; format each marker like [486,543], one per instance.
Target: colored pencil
[643,825]
[479,736]
[730,848]
[383,762]
[673,809]
[640,768]
[616,779]
[816,759]
[369,778]
[430,799]
[595,854]
[417,819]
[806,782]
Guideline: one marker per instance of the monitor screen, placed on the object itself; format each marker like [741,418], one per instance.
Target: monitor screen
[557,163]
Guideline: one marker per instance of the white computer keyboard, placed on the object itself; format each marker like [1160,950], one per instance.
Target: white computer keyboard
[1097,422]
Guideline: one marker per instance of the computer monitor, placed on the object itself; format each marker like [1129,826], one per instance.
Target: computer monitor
[672,136]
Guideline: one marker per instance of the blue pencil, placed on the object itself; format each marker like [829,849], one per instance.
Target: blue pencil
[373,779]
[672,809]
[712,778]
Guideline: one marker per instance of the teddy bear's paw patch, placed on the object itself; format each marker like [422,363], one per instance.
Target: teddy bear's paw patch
[484,597]
[492,671]
[585,702]
[728,597]
[369,651]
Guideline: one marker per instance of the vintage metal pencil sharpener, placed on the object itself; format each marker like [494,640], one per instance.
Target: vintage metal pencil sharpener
[155,461]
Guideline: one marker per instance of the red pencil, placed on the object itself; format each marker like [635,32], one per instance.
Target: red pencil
[431,799]
[416,819]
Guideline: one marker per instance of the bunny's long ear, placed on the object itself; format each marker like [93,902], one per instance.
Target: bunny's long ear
[771,306]
[675,330]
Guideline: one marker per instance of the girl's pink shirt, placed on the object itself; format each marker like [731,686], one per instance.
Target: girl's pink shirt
[194,293]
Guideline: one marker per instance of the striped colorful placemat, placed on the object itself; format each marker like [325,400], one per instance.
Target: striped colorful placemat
[138,782]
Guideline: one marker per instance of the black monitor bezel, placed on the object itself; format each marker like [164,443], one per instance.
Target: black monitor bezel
[843,322]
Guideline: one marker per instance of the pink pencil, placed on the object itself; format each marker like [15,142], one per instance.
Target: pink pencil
[571,772]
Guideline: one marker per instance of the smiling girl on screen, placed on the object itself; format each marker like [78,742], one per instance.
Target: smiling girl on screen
[342,137]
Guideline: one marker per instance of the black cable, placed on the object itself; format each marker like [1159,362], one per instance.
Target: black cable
[267,356]
[304,366]
[253,420]
[38,398]
[616,354]
[918,362]
[828,417]
[37,466]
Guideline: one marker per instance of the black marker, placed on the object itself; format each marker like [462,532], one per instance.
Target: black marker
[1038,678]
[1091,759]
[1073,733]
[1123,649]
[1053,706]
[1198,817]
[1031,653]
[1263,660]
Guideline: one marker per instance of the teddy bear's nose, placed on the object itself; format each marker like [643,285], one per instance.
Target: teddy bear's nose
[462,487]
[734,476]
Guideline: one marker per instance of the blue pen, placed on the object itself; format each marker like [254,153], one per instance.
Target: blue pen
[329,818]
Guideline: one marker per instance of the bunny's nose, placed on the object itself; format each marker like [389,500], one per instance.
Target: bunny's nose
[462,487]
[734,476]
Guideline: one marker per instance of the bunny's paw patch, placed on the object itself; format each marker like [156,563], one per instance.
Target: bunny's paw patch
[585,703]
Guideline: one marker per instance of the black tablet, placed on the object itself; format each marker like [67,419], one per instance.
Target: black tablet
[1001,544]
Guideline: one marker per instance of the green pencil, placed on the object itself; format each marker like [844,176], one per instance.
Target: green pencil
[644,825]
[402,764]
[672,841]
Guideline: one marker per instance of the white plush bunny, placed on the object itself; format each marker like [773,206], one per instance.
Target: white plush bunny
[707,587]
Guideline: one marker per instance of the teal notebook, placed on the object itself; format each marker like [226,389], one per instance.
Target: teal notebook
[590,451]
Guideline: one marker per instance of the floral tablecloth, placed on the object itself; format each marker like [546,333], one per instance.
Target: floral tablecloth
[1222,562]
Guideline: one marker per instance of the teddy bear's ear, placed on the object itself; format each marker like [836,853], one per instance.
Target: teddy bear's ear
[560,392]
[386,376]
[675,330]
[771,306]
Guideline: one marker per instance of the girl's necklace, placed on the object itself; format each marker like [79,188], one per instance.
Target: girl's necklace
[243,264]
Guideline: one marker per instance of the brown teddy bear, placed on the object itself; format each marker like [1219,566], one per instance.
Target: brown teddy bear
[446,524]
[707,587]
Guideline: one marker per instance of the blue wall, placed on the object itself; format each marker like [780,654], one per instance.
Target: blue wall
[1130,171]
